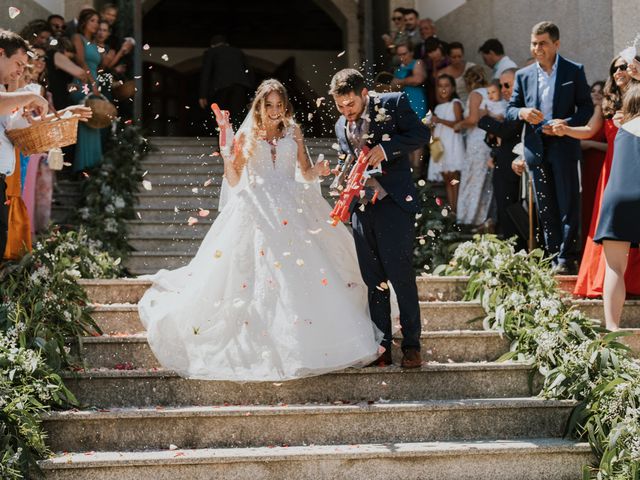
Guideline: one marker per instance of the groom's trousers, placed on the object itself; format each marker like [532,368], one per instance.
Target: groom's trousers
[384,235]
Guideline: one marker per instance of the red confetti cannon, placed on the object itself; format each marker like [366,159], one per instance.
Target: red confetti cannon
[351,193]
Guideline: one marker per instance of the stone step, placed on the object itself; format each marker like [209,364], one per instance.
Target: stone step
[205,198]
[170,187]
[254,426]
[104,388]
[108,351]
[142,263]
[176,169]
[116,319]
[185,177]
[170,229]
[102,291]
[522,459]
[168,214]
[186,243]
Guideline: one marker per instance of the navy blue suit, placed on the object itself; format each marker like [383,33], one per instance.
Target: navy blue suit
[553,161]
[384,232]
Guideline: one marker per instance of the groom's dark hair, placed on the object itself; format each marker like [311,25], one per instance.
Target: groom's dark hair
[346,81]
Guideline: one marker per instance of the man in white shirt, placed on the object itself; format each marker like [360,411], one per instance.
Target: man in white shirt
[13,59]
[493,55]
[550,91]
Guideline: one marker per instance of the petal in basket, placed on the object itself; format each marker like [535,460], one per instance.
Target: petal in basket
[45,135]
[103,111]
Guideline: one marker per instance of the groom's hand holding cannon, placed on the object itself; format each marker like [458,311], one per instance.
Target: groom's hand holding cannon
[353,188]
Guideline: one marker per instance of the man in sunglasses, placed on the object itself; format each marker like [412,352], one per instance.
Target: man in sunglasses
[553,90]
[506,184]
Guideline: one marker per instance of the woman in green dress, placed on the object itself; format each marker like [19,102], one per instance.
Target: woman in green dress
[89,146]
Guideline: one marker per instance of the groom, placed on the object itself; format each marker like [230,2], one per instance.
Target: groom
[384,231]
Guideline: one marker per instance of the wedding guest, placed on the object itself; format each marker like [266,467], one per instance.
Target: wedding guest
[427,30]
[437,60]
[494,57]
[590,281]
[618,228]
[88,150]
[224,78]
[446,115]
[70,28]
[476,190]
[594,151]
[13,59]
[410,77]
[506,183]
[411,30]
[56,25]
[109,14]
[37,33]
[457,68]
[496,107]
[552,160]
[396,37]
[61,71]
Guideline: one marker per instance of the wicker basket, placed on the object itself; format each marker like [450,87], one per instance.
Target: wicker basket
[103,111]
[43,135]
[124,90]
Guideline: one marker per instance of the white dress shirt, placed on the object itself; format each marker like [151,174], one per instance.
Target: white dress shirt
[546,89]
[7,155]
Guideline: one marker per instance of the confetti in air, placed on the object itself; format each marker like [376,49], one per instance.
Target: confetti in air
[218,254]
[192,221]
[165,57]
[147,185]
[341,53]
[146,46]
[14,12]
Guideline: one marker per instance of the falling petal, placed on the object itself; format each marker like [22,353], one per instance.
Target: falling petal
[439,201]
[286,254]
[13,12]
[386,137]
[421,183]
[53,42]
[192,221]
[408,198]
[300,262]
[146,46]
[445,212]
[194,190]
[147,185]
[454,182]
[285,222]
[324,282]
[431,233]
[218,254]
[203,213]
[341,53]
[165,57]
[319,101]
[208,182]
[277,264]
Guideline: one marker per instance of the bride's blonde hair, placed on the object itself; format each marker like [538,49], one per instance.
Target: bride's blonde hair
[258,112]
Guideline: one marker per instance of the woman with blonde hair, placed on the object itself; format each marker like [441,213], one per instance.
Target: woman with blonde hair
[273,293]
[476,189]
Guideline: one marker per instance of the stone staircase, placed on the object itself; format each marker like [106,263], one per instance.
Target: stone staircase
[461,416]
[185,177]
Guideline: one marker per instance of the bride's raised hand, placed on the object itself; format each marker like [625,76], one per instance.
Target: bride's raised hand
[322,168]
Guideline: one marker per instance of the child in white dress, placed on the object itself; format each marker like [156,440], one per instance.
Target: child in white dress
[448,112]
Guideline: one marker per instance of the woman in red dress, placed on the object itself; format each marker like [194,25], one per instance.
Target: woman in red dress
[593,153]
[590,280]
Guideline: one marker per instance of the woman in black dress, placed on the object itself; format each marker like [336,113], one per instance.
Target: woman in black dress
[619,225]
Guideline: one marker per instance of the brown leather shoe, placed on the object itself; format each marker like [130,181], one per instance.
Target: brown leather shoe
[411,358]
[383,360]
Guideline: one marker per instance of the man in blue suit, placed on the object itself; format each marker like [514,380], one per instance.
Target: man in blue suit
[384,231]
[553,90]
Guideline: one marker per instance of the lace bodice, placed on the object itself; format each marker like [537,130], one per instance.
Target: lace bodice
[264,165]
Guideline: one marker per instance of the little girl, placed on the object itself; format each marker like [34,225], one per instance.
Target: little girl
[448,112]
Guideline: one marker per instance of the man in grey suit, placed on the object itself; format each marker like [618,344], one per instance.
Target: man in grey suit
[225,79]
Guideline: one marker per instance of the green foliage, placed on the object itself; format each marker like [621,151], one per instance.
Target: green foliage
[437,235]
[108,195]
[578,359]
[42,307]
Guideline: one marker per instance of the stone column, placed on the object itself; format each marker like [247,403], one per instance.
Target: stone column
[624,15]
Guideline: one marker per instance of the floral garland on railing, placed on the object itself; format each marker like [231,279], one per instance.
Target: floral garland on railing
[42,306]
[108,195]
[577,358]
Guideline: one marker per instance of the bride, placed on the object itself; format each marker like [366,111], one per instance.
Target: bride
[274,292]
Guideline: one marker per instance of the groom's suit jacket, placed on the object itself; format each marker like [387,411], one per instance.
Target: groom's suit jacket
[406,133]
[571,102]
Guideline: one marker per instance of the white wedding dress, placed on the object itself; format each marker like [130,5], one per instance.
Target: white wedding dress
[274,292]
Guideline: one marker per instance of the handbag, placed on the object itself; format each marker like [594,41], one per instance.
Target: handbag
[436,149]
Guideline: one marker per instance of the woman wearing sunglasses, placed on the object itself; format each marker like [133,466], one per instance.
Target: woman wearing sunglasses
[590,281]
